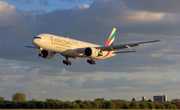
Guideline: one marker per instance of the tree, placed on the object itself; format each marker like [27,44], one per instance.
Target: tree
[151,105]
[110,105]
[19,97]
[142,105]
[67,104]
[134,105]
[15,104]
[149,100]
[133,99]
[168,105]
[174,106]
[40,104]
[74,105]
[25,105]
[47,105]
[125,106]
[8,105]
[100,99]
[1,104]
[1,98]
[162,106]
[80,103]
[177,105]
[157,105]
[119,104]
[87,104]
[176,100]
[32,104]
[95,104]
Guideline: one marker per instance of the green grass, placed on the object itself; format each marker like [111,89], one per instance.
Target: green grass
[88,109]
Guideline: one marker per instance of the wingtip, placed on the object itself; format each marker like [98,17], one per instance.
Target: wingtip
[161,39]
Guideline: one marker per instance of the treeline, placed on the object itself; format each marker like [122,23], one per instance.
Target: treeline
[19,101]
[87,104]
[122,104]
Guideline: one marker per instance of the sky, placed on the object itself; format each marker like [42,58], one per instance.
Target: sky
[153,70]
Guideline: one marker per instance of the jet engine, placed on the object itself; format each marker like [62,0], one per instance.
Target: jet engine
[91,52]
[47,54]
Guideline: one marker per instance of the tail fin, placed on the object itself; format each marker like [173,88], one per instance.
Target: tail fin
[111,38]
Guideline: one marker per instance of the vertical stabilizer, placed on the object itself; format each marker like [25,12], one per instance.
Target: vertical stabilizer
[111,38]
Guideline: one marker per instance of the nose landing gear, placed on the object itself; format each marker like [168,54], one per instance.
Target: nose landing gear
[40,55]
[67,62]
[91,61]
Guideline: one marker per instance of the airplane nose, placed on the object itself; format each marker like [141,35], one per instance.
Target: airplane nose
[34,42]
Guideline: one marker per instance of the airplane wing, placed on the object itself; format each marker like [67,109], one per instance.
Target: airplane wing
[117,47]
[31,47]
[125,52]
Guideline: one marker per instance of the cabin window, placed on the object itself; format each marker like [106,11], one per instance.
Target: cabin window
[37,37]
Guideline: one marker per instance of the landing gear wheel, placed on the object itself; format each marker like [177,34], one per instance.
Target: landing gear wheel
[91,61]
[67,62]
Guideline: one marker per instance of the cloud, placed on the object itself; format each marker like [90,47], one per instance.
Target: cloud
[24,1]
[34,11]
[8,14]
[7,79]
[92,24]
[53,71]
[35,77]
[44,2]
[145,16]
[41,87]
[77,82]
[72,0]
[125,84]
[23,71]
[9,70]
[85,6]
[162,6]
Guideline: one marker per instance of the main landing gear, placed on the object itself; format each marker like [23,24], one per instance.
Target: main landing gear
[67,62]
[91,61]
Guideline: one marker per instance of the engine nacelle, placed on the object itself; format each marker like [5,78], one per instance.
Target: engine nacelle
[91,52]
[47,54]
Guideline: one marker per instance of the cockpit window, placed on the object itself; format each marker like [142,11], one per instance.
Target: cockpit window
[37,37]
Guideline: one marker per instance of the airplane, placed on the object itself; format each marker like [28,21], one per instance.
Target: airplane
[48,45]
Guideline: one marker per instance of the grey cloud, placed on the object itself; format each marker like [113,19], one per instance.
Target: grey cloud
[8,70]
[94,25]
[41,87]
[7,79]
[32,12]
[24,1]
[159,6]
[35,77]
[48,70]
[29,1]
[125,84]
[72,0]
[15,0]
[44,2]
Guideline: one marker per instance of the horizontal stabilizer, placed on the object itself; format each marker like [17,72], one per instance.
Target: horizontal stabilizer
[124,52]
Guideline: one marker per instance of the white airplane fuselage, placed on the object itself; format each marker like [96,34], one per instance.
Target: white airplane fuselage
[66,46]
